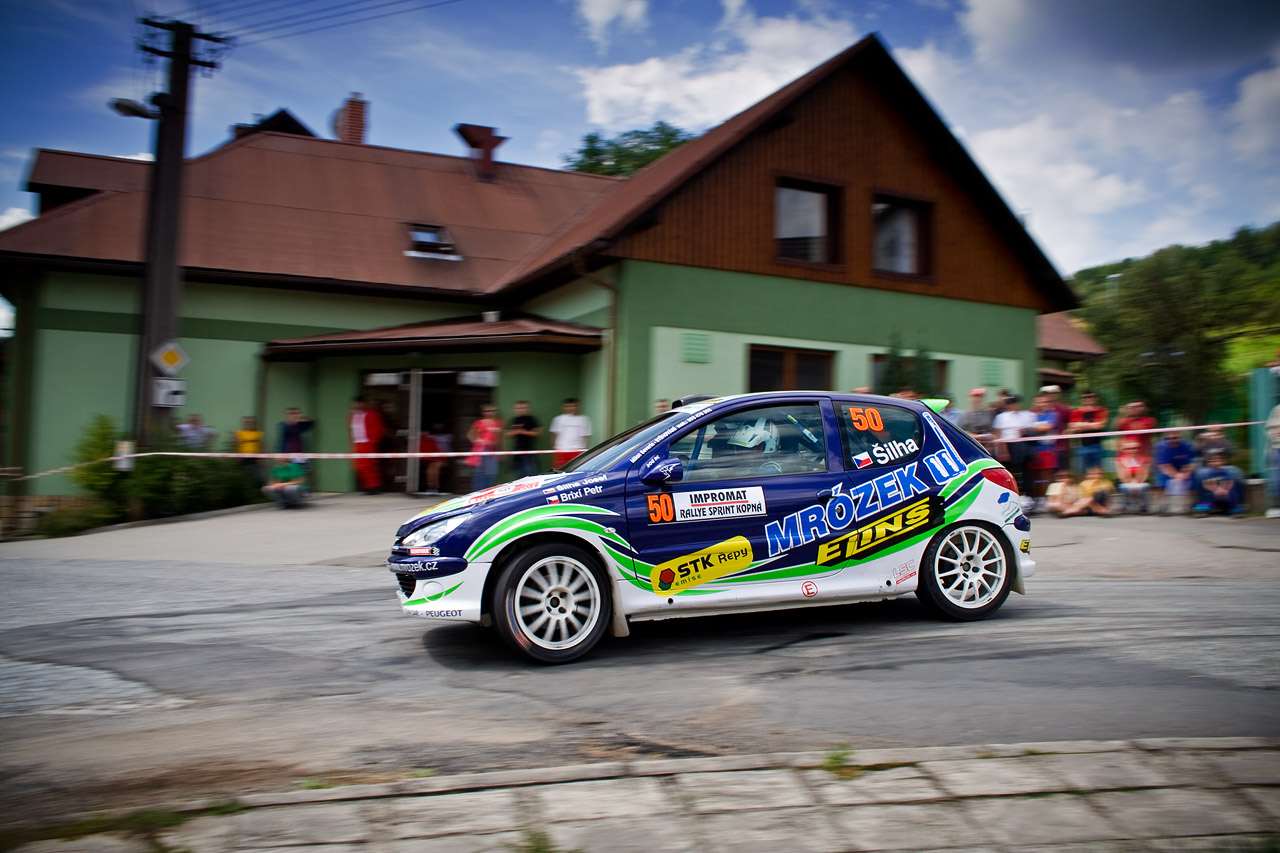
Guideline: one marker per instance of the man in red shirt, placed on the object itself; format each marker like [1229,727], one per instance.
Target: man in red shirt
[366,432]
[1090,417]
[1137,418]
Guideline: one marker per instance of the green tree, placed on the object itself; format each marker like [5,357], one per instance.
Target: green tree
[896,373]
[1168,320]
[922,375]
[626,153]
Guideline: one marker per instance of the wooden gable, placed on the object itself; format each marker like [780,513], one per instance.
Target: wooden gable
[854,133]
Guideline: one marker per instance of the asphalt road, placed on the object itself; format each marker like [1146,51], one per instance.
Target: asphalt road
[231,654]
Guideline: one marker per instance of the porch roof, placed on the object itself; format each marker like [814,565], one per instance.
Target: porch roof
[486,332]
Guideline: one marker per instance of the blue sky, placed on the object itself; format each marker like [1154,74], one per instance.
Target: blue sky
[1114,127]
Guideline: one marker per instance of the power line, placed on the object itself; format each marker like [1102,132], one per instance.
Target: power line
[304,32]
[292,20]
[236,7]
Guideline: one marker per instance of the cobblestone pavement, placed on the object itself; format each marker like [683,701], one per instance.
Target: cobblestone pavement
[1212,794]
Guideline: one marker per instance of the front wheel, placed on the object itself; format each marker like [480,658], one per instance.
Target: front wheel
[966,572]
[552,602]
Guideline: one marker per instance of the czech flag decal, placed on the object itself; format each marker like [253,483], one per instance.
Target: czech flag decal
[863,459]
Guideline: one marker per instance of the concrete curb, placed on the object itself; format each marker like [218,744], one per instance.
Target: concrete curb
[660,767]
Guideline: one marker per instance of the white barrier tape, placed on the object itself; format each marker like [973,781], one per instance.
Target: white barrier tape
[1121,432]
[4,473]
[405,455]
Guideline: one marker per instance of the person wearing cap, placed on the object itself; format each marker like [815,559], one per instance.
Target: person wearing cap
[978,419]
[1219,487]
[1090,417]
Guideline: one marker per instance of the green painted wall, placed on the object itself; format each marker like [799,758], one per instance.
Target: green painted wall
[750,308]
[81,332]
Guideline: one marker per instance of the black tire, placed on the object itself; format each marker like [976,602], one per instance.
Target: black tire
[552,602]
[967,572]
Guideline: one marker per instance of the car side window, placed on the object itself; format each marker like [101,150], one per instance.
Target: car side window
[759,442]
[876,435]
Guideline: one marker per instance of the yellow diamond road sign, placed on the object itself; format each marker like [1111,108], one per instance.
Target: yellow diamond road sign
[169,358]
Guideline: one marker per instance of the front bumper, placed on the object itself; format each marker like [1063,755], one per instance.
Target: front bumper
[439,588]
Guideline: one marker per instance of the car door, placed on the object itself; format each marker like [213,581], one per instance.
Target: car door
[703,541]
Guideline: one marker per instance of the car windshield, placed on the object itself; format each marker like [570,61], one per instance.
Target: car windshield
[606,455]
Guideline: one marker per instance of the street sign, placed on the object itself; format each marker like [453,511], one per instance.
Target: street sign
[169,393]
[169,358]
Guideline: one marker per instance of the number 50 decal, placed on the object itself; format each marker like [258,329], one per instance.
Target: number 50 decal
[661,508]
[866,418]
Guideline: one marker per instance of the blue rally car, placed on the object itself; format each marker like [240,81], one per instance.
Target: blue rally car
[724,505]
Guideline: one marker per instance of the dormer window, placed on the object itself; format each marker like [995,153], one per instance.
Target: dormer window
[431,241]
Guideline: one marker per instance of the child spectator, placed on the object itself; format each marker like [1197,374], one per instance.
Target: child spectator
[1133,468]
[1219,487]
[1063,494]
[1066,499]
[1095,492]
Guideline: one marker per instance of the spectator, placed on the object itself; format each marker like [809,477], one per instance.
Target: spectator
[1133,468]
[950,412]
[295,423]
[1219,487]
[1066,499]
[1010,425]
[1061,418]
[366,432]
[978,419]
[571,431]
[1096,490]
[1273,456]
[523,429]
[1175,466]
[438,441]
[1213,439]
[195,434]
[1043,461]
[1090,417]
[1137,418]
[287,485]
[660,405]
[249,440]
[484,435]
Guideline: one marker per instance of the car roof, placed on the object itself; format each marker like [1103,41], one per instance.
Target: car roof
[700,402]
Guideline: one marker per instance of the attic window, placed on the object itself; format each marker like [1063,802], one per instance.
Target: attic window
[902,235]
[805,221]
[431,241]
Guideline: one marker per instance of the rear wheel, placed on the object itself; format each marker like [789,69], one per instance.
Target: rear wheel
[966,573]
[552,602]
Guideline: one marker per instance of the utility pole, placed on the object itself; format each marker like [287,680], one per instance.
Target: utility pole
[162,282]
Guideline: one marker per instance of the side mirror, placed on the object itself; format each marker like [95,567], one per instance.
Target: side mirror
[659,471]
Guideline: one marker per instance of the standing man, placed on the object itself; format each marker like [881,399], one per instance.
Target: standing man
[978,420]
[1090,417]
[366,432]
[195,433]
[1010,426]
[295,423]
[571,431]
[1137,418]
[1061,417]
[524,428]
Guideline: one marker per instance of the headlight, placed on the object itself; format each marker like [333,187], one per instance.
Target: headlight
[433,532]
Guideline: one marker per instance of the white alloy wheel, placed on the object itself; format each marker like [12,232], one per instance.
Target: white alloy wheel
[967,572]
[552,602]
[557,602]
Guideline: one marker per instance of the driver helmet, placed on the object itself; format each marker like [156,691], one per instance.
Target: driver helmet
[753,435]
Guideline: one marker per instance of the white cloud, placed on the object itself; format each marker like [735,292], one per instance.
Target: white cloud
[14,216]
[1256,114]
[600,15]
[749,58]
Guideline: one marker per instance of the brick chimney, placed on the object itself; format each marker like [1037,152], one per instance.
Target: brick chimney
[349,120]
[482,141]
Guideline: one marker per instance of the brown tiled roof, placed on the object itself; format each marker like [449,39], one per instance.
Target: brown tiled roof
[277,205]
[623,205]
[1058,337]
[461,334]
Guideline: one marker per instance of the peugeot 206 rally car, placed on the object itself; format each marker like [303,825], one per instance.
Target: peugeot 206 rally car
[751,502]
